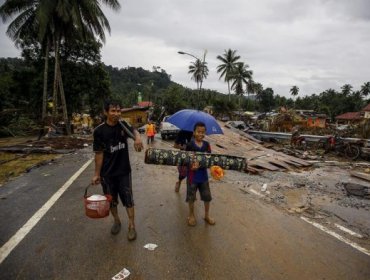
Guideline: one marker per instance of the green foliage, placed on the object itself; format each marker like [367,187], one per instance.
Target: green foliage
[266,100]
[88,82]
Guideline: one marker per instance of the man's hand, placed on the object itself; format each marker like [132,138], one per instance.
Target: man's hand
[96,180]
[138,144]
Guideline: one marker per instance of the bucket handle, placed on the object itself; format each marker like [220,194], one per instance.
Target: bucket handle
[88,186]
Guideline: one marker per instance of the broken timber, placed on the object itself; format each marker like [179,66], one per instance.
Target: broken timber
[258,157]
[360,175]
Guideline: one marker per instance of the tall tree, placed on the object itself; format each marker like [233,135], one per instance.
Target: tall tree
[346,89]
[199,71]
[267,101]
[294,91]
[365,89]
[57,22]
[240,76]
[24,29]
[229,61]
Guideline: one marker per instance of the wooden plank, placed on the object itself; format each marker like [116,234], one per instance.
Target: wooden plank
[257,155]
[262,164]
[279,163]
[360,175]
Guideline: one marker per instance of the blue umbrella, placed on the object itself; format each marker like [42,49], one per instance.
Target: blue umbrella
[186,119]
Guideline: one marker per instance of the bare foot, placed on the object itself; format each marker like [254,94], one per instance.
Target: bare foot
[177,187]
[192,221]
[210,221]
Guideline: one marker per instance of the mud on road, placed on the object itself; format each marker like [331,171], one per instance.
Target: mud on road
[318,194]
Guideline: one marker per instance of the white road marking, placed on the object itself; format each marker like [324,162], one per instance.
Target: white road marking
[336,235]
[347,230]
[8,247]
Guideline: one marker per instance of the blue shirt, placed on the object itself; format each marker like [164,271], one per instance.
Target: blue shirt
[200,175]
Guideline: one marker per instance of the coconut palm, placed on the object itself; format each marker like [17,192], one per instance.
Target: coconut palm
[294,91]
[240,76]
[229,61]
[346,89]
[56,22]
[26,27]
[199,71]
[365,89]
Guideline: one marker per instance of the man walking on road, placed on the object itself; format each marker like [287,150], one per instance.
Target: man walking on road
[112,163]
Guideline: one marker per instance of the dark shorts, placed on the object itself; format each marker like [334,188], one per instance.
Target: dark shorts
[119,185]
[204,191]
[150,139]
[183,170]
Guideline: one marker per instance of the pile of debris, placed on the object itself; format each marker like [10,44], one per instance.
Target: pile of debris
[57,145]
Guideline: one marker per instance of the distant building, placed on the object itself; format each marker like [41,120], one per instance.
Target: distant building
[135,116]
[319,120]
[145,104]
[208,109]
[350,118]
[366,111]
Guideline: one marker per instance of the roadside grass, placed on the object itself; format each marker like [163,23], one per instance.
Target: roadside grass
[12,165]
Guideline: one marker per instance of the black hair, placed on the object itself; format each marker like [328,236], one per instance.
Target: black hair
[199,124]
[111,103]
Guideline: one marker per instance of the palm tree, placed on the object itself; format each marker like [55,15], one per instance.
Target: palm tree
[294,91]
[56,22]
[199,71]
[229,60]
[346,89]
[365,89]
[26,27]
[241,76]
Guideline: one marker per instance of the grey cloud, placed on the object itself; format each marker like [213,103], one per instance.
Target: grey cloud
[313,44]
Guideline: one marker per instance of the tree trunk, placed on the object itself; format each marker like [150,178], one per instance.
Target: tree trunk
[63,101]
[228,87]
[200,89]
[45,86]
[55,85]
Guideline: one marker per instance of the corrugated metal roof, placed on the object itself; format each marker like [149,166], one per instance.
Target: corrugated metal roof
[366,108]
[350,116]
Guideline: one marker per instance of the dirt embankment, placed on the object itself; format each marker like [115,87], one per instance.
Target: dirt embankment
[21,154]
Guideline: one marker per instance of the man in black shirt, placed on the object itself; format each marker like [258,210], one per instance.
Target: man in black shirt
[112,163]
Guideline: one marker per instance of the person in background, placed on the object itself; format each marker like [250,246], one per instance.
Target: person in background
[150,132]
[182,139]
[112,163]
[197,177]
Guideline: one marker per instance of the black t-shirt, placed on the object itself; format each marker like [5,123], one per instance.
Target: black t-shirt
[112,140]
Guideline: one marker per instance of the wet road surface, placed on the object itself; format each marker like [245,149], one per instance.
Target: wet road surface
[251,239]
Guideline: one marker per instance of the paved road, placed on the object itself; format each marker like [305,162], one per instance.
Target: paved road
[251,239]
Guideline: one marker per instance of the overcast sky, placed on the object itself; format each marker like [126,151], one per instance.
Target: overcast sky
[315,45]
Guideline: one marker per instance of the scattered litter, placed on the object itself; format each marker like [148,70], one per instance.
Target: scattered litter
[150,246]
[86,145]
[124,273]
[264,187]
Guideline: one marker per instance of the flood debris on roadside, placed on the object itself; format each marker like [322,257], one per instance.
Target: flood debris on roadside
[357,190]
